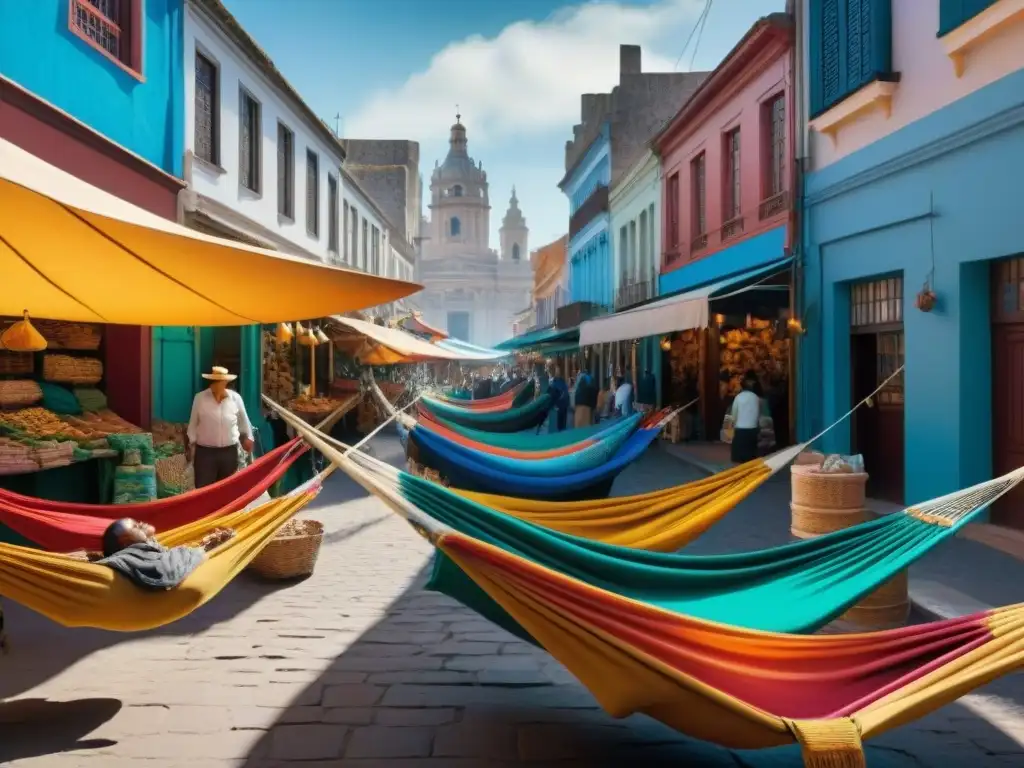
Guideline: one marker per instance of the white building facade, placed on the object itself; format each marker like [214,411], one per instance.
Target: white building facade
[470,290]
[635,206]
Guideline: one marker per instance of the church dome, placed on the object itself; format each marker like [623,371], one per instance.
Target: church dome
[458,165]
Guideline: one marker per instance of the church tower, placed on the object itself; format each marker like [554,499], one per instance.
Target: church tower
[460,209]
[514,233]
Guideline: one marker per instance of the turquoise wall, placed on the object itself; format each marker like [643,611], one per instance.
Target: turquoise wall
[747,255]
[590,251]
[941,194]
[39,52]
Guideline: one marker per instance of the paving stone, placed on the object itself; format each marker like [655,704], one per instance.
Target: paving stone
[349,715]
[457,648]
[380,742]
[306,742]
[359,695]
[497,741]
[439,677]
[388,716]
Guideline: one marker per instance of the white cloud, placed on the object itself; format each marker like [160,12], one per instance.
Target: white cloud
[529,78]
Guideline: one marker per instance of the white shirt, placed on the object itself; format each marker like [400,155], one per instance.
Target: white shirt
[623,395]
[746,410]
[218,425]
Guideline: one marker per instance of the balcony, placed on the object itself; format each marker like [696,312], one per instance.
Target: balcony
[732,228]
[773,206]
[592,206]
[699,243]
[634,290]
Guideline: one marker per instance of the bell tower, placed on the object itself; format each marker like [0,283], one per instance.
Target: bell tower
[515,235]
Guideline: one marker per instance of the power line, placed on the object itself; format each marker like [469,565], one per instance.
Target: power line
[700,22]
[700,34]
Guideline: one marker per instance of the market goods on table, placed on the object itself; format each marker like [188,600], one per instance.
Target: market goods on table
[140,441]
[72,370]
[60,334]
[134,484]
[174,476]
[16,457]
[278,370]
[90,398]
[19,393]
[104,422]
[59,399]
[168,432]
[754,349]
[16,363]
[41,423]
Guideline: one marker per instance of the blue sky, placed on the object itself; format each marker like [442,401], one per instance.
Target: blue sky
[397,68]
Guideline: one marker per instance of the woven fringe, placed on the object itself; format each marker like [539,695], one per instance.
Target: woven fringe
[829,743]
[924,517]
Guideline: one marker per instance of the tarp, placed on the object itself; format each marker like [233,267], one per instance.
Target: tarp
[471,351]
[392,346]
[70,251]
[675,313]
[543,336]
[414,324]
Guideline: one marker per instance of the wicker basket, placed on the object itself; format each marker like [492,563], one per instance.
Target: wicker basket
[292,553]
[19,393]
[72,370]
[808,522]
[885,608]
[809,458]
[828,490]
[64,335]
[16,363]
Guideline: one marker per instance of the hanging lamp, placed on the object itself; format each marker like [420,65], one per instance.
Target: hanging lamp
[284,333]
[22,336]
[321,337]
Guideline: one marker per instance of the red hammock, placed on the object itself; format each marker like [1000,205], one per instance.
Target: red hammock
[60,526]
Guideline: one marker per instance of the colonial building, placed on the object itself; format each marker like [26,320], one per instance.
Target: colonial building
[550,281]
[913,243]
[471,290]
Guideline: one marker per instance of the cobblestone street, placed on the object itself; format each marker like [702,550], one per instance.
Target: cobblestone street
[358,666]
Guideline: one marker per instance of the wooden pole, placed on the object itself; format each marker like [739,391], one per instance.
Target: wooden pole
[632,361]
[312,370]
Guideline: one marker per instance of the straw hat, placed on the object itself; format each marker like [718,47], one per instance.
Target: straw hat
[219,374]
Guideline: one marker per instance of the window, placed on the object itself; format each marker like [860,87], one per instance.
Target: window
[312,193]
[113,27]
[366,245]
[642,268]
[207,138]
[672,203]
[375,251]
[652,239]
[879,302]
[732,175]
[623,253]
[345,231]
[285,172]
[953,13]
[515,252]
[332,214]
[775,139]
[849,46]
[633,254]
[249,141]
[455,226]
[354,254]
[457,190]
[698,177]
[458,325]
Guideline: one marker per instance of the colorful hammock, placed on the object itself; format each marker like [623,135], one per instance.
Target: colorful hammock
[739,687]
[520,394]
[64,526]
[514,419]
[76,593]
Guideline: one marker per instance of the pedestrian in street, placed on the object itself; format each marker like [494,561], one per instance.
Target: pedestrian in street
[623,396]
[560,396]
[217,427]
[746,416]
[647,392]
[586,399]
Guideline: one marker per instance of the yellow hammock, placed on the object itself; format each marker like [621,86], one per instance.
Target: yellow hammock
[662,521]
[76,593]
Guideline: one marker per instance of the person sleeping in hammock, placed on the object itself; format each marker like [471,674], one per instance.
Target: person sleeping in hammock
[131,549]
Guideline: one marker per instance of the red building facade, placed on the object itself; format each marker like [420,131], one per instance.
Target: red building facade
[727,163]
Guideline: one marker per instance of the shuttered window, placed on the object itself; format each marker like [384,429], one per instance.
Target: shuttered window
[312,193]
[206,106]
[285,171]
[249,141]
[332,214]
[850,45]
[953,13]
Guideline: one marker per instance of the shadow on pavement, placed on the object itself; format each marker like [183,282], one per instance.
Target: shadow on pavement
[37,727]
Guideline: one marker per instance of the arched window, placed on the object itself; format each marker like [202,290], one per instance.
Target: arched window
[455,226]
[457,190]
[515,251]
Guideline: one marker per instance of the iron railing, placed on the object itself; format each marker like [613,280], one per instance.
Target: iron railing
[633,290]
[592,206]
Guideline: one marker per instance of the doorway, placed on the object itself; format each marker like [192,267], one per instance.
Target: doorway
[1008,385]
[877,351]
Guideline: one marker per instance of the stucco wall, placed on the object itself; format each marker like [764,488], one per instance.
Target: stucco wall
[633,196]
[941,194]
[39,51]
[927,78]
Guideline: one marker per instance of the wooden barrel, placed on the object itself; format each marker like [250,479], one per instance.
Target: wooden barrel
[885,608]
[808,522]
[827,490]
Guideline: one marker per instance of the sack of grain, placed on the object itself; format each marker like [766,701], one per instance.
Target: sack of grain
[90,398]
[72,370]
[174,476]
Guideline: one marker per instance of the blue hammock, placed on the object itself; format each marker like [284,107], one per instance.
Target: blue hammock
[514,419]
[470,474]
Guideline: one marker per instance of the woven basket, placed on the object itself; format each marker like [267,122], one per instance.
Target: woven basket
[72,370]
[64,335]
[828,490]
[19,393]
[16,363]
[292,553]
[809,458]
[808,522]
[885,608]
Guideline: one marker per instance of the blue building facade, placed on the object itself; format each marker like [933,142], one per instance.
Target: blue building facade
[931,209]
[135,99]
[590,250]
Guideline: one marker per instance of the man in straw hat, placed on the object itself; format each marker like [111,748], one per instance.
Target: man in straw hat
[218,425]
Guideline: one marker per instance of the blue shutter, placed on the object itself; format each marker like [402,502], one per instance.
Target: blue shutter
[953,13]
[849,46]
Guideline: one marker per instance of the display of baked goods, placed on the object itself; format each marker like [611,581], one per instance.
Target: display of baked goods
[65,369]
[40,423]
